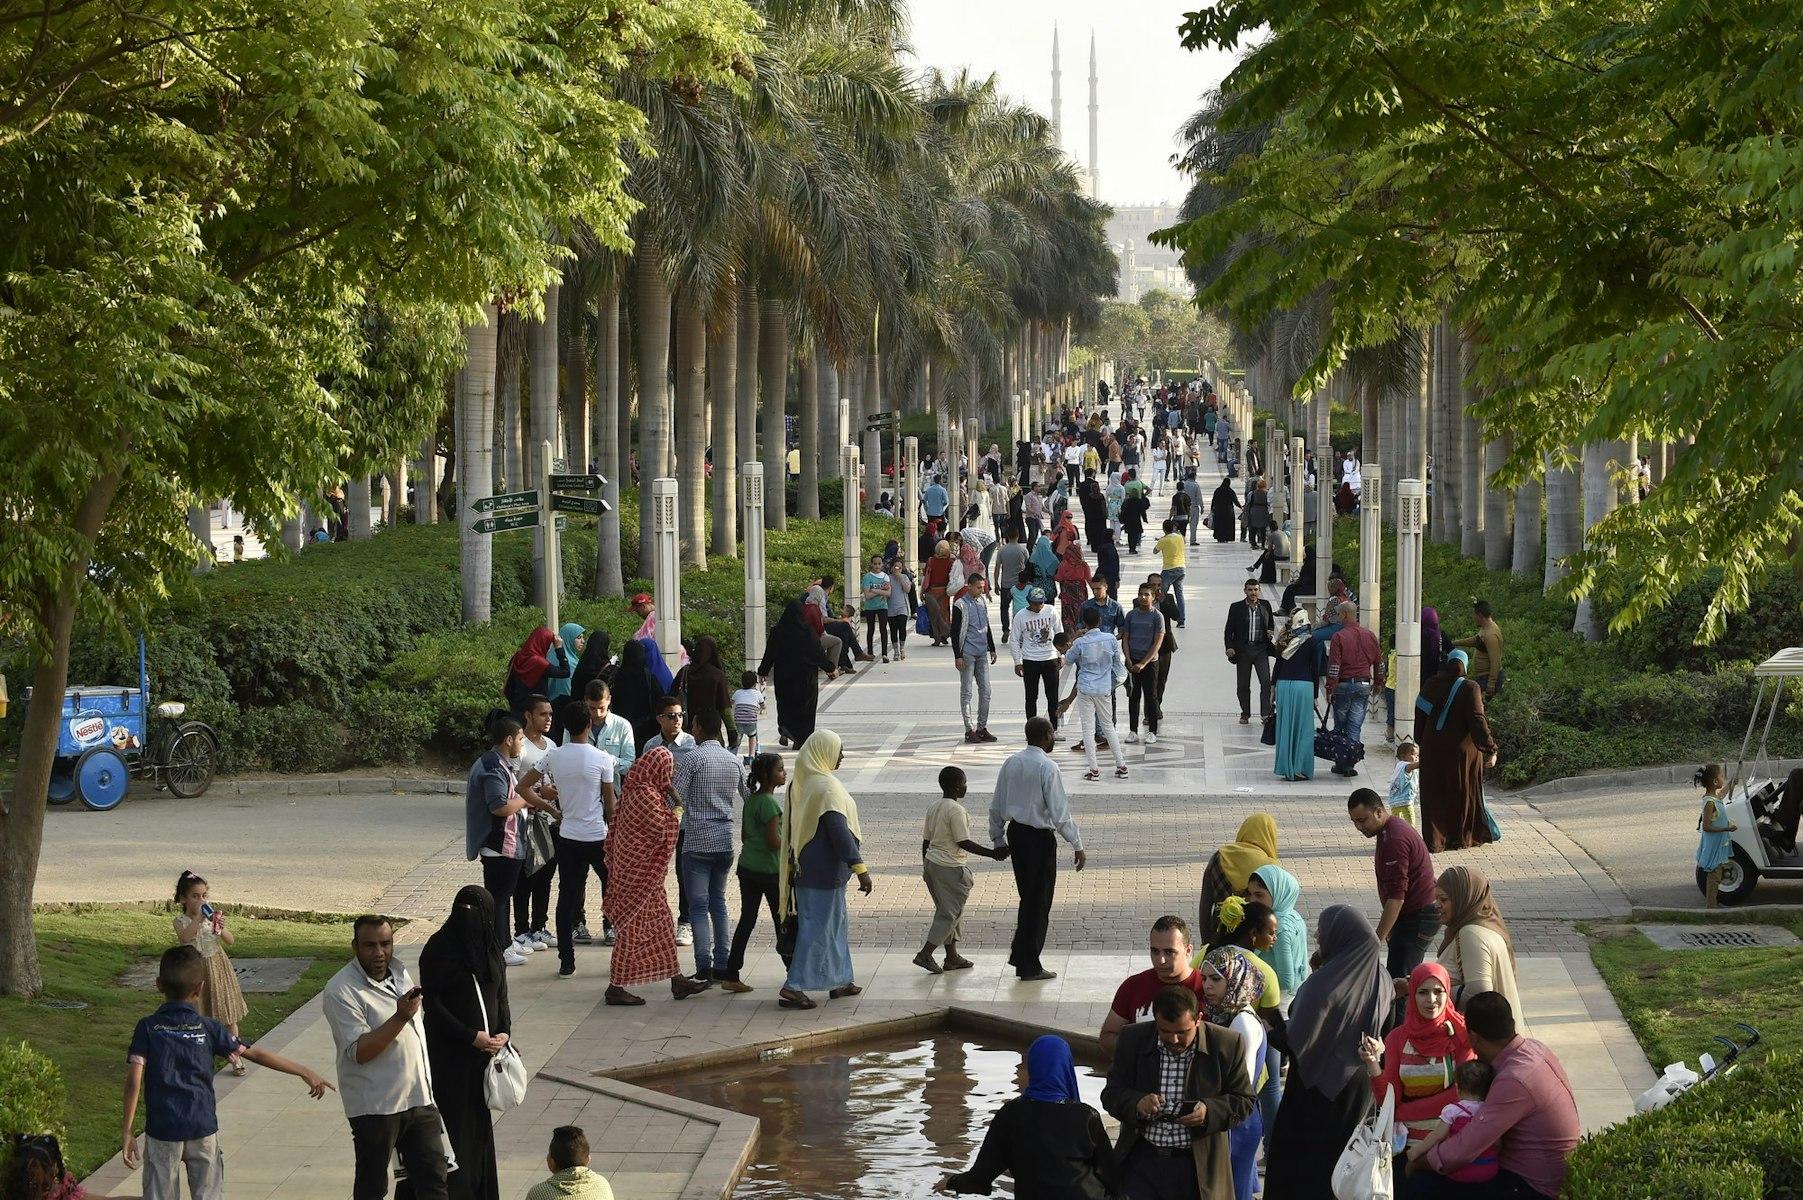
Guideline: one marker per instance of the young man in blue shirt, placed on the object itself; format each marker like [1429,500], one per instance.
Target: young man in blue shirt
[171,1064]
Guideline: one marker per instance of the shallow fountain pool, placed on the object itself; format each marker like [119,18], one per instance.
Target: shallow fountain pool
[878,1119]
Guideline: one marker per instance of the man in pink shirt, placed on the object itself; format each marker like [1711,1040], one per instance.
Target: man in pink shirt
[1355,666]
[1530,1116]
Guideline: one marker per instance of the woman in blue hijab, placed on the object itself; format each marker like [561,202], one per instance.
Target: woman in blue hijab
[1047,1139]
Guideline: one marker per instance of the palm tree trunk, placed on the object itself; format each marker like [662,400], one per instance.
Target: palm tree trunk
[1599,500]
[826,400]
[747,381]
[576,413]
[651,325]
[541,376]
[474,415]
[773,384]
[1447,466]
[723,365]
[1526,557]
[1564,521]
[1498,546]
[691,425]
[807,427]
[1471,459]
[509,469]
[397,492]
[627,389]
[357,499]
[610,578]
[1322,404]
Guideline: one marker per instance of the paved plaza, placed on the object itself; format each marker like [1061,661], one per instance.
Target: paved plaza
[1147,838]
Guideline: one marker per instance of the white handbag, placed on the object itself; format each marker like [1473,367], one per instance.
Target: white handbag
[1365,1171]
[504,1083]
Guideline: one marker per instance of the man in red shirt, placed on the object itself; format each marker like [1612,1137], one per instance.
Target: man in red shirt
[1530,1116]
[1405,883]
[1355,666]
[1171,951]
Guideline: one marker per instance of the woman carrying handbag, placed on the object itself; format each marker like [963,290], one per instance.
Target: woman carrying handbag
[468,1023]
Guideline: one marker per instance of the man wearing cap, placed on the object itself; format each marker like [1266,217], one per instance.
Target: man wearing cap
[1035,658]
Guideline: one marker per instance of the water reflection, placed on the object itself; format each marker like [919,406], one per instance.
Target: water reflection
[875,1120]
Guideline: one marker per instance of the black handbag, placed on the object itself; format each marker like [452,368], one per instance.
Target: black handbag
[1269,735]
[1336,747]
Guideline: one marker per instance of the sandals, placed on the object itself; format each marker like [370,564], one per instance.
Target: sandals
[925,962]
[789,999]
[840,993]
[958,963]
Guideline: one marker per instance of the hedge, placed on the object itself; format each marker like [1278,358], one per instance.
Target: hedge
[1571,706]
[32,1099]
[351,653]
[1738,1136]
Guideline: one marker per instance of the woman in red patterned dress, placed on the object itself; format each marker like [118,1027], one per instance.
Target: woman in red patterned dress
[639,844]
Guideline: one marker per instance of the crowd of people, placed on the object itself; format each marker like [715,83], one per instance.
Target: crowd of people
[1240,1039]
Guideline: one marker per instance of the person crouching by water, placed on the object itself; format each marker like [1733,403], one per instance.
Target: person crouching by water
[1051,1143]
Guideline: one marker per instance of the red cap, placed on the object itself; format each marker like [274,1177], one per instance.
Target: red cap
[641,598]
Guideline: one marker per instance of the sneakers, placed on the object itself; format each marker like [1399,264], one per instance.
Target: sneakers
[983,735]
[607,933]
[1131,737]
[566,972]
[685,935]
[523,944]
[513,957]
[971,735]
[1151,738]
[1092,775]
[1120,772]
[580,935]
[545,939]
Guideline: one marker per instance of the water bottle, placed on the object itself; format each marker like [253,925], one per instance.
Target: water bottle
[1399,1138]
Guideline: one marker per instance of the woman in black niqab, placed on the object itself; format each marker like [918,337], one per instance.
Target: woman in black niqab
[634,696]
[460,962]
[793,659]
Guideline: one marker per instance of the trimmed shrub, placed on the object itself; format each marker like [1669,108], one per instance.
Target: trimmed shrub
[1738,1136]
[32,1099]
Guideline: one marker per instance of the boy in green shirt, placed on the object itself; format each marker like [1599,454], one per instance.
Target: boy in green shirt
[570,1177]
[762,840]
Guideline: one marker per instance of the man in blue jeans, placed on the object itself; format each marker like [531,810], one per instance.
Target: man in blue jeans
[709,783]
[1355,665]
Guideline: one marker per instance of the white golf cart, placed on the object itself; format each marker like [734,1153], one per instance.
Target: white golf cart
[1753,792]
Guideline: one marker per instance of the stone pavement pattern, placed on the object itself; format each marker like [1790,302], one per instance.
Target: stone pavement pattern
[1147,839]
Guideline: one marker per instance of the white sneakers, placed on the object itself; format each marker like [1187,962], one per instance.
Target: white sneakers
[1131,737]
[544,939]
[512,957]
[1151,738]
[685,935]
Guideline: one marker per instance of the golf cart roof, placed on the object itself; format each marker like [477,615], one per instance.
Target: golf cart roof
[1783,664]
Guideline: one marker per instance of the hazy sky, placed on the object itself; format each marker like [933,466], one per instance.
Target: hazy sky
[1148,84]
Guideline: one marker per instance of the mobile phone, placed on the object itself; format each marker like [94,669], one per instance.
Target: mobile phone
[206,910]
[414,993]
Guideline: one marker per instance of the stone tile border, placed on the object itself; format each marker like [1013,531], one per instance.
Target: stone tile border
[729,1151]
[1674,775]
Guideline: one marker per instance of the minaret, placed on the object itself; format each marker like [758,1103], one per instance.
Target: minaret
[1057,97]
[1095,174]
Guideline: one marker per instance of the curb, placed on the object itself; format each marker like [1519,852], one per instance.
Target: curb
[330,785]
[1675,775]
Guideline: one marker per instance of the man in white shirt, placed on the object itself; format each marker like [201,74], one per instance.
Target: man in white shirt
[532,895]
[584,777]
[1026,817]
[384,1077]
[1035,657]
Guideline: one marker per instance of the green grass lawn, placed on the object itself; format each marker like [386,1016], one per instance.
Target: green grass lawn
[83,950]
[1677,1000]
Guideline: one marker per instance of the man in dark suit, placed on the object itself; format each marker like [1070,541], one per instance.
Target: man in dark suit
[1250,626]
[1177,1086]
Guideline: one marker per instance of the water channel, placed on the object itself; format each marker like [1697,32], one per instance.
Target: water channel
[874,1120]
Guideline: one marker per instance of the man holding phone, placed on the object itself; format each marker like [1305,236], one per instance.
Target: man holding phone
[372,1007]
[1177,1086]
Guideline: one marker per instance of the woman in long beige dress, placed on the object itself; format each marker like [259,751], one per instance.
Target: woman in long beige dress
[201,926]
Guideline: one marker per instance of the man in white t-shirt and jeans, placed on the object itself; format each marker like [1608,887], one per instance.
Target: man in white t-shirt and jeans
[584,776]
[532,895]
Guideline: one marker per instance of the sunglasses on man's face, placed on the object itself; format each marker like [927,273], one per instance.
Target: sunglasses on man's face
[669,716]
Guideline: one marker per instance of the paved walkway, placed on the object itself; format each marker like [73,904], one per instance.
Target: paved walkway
[1147,840]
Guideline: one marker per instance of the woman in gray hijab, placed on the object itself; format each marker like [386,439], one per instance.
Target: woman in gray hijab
[1345,1000]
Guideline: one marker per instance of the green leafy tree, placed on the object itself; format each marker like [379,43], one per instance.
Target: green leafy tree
[1601,197]
[210,200]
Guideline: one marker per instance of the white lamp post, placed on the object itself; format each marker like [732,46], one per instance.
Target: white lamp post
[666,571]
[1298,512]
[854,521]
[910,503]
[751,484]
[1411,518]
[1371,546]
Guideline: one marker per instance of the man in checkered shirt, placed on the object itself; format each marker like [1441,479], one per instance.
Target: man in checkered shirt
[1177,1086]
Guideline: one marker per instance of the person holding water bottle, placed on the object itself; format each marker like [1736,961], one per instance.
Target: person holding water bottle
[202,926]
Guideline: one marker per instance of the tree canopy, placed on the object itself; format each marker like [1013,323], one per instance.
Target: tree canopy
[1161,331]
[1604,195]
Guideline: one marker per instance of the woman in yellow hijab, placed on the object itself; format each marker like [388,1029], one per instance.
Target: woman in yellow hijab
[820,854]
[1232,865]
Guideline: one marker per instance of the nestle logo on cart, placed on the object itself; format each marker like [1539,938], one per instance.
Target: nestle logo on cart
[88,728]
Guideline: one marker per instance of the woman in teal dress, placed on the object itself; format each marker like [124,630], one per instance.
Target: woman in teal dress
[1295,673]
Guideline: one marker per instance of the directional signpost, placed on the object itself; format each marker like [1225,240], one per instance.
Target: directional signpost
[506,521]
[578,504]
[577,483]
[504,501]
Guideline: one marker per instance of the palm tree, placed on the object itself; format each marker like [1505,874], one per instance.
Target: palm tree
[722,377]
[541,376]
[1498,545]
[1564,517]
[1599,501]
[475,418]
